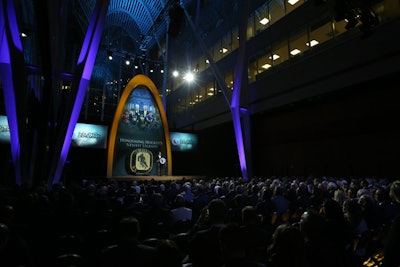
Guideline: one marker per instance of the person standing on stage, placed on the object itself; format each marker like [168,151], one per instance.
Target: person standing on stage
[161,162]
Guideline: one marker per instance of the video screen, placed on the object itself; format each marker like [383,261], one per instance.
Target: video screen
[4,130]
[85,135]
[183,142]
[89,135]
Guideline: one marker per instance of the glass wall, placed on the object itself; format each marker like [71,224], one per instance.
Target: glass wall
[296,42]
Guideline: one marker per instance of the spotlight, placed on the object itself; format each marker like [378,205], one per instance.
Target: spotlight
[189,77]
[110,55]
[127,60]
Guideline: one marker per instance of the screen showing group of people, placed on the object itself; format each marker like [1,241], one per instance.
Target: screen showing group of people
[142,116]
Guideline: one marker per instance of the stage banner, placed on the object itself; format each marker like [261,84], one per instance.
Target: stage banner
[139,135]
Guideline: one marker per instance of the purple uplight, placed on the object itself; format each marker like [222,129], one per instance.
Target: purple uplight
[11,111]
[12,20]
[70,130]
[235,110]
[88,52]
[8,84]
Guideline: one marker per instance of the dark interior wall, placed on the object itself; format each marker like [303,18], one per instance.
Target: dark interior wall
[86,162]
[6,165]
[351,133]
[217,151]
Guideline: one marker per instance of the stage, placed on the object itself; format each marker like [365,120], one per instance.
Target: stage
[156,178]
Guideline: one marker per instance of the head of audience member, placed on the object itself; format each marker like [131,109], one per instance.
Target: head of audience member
[366,202]
[128,228]
[278,191]
[380,195]
[4,235]
[339,196]
[7,214]
[312,225]
[231,241]
[287,247]
[250,215]
[157,200]
[394,191]
[217,211]
[179,201]
[168,254]
[332,210]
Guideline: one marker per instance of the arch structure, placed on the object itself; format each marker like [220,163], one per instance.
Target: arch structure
[139,132]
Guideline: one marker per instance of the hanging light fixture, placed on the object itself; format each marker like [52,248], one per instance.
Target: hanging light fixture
[110,55]
[127,60]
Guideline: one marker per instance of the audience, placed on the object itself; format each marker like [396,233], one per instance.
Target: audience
[391,251]
[101,219]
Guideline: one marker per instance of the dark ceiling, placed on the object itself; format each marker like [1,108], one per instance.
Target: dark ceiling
[131,28]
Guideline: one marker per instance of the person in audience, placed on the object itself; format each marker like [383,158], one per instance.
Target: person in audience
[203,247]
[233,247]
[128,250]
[168,254]
[155,218]
[313,227]
[287,247]
[180,212]
[201,199]
[187,193]
[382,198]
[374,216]
[353,213]
[339,232]
[266,208]
[391,252]
[14,250]
[280,202]
[255,239]
[180,216]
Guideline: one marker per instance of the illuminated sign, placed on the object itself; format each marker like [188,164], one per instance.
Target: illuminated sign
[185,142]
[89,135]
[139,132]
[85,135]
[4,130]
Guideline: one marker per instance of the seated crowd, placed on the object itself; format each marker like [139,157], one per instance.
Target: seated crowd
[204,222]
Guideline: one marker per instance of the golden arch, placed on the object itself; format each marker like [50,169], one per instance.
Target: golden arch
[138,80]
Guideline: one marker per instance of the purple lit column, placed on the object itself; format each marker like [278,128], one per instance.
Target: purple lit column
[234,103]
[241,73]
[85,65]
[10,48]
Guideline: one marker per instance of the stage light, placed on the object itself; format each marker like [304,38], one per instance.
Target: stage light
[110,55]
[127,60]
[189,77]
